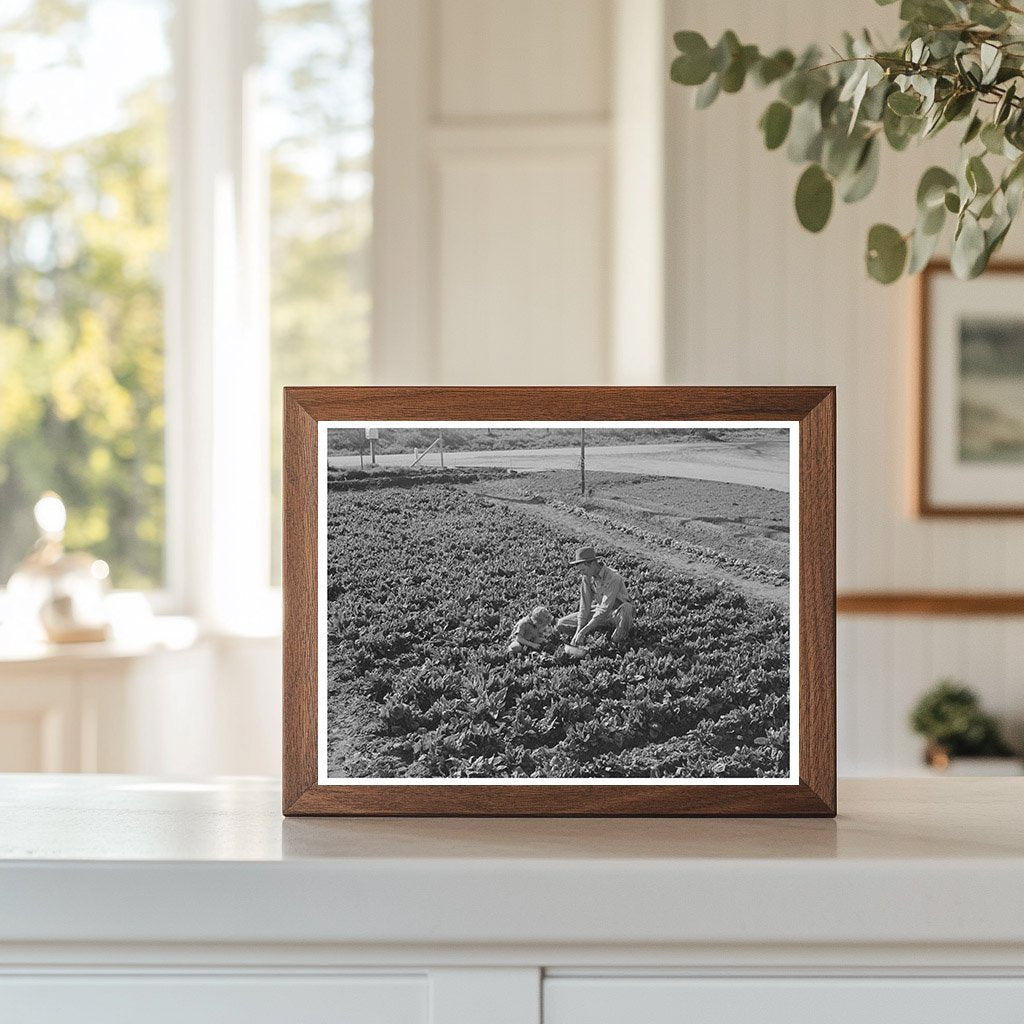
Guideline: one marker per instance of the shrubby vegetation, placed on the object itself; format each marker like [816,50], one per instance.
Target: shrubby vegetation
[425,584]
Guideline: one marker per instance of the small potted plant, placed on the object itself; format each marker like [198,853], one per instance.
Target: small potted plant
[950,717]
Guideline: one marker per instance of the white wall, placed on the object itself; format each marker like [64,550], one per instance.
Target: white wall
[754,299]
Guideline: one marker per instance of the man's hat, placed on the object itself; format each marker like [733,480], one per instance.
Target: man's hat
[584,555]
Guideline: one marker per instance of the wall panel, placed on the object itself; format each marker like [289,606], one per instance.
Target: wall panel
[531,58]
[522,282]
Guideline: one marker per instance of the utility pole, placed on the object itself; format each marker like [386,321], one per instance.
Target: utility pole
[440,447]
[583,462]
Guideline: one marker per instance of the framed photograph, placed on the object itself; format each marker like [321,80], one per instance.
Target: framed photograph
[559,601]
[970,422]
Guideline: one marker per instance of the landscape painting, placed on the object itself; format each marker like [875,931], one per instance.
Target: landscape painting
[991,389]
[528,603]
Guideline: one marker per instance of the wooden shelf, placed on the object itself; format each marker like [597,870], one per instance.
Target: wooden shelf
[928,603]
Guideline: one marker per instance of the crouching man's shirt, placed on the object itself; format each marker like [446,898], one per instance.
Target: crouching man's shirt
[602,592]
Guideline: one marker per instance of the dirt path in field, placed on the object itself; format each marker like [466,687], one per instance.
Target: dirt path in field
[674,560]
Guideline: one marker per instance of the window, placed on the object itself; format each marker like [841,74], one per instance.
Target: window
[83,232]
[199,164]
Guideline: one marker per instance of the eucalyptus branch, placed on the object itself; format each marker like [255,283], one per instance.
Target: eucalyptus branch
[955,61]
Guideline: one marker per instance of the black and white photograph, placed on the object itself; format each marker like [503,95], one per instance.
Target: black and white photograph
[544,601]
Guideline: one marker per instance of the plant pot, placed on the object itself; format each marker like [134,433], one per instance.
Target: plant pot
[942,763]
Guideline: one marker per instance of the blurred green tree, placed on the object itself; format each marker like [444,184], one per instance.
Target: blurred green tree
[82,235]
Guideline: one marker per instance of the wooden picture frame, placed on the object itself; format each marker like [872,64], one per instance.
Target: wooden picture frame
[809,415]
[941,488]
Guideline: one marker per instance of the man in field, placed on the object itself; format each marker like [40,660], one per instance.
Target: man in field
[604,601]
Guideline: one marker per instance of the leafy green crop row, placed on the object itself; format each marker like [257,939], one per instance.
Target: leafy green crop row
[424,586]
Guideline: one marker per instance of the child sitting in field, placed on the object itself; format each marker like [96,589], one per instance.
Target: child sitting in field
[531,631]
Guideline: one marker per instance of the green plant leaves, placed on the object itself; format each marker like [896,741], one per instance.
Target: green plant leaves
[886,253]
[865,173]
[969,256]
[805,133]
[707,93]
[922,248]
[991,61]
[904,103]
[814,195]
[735,74]
[978,177]
[987,15]
[693,65]
[931,191]
[956,60]
[771,69]
[775,123]
[993,138]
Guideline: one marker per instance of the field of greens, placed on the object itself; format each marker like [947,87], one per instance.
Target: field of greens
[425,582]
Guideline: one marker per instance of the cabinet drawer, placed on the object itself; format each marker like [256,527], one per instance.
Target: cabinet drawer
[627,1000]
[196,999]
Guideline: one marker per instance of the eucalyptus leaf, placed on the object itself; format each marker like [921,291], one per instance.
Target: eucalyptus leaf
[886,253]
[794,88]
[873,106]
[770,69]
[973,130]
[991,60]
[978,176]
[827,105]
[805,133]
[922,248]
[994,235]
[814,195]
[957,106]
[865,174]
[724,51]
[968,247]
[993,138]
[840,153]
[932,220]
[931,190]
[775,122]
[735,74]
[707,93]
[1005,106]
[895,133]
[987,15]
[903,103]
[693,65]
[1014,192]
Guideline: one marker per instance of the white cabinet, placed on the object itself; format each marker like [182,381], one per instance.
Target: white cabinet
[829,1000]
[132,898]
[226,999]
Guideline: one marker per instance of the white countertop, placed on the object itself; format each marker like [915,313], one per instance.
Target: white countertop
[109,858]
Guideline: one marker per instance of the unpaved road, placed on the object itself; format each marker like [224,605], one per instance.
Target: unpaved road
[677,561]
[761,463]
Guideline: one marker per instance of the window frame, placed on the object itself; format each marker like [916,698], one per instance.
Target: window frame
[217,344]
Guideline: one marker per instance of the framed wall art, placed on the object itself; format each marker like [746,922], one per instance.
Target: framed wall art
[970,412]
[559,601]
